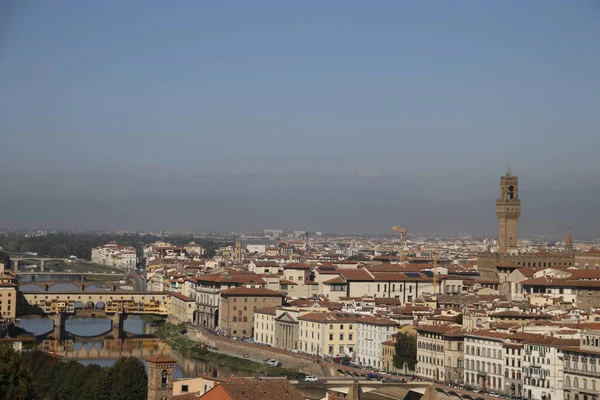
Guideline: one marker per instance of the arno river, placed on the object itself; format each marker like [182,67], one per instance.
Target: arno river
[91,340]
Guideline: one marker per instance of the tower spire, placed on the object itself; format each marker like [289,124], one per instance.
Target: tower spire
[509,173]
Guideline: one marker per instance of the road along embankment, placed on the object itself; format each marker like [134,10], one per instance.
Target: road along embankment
[304,363]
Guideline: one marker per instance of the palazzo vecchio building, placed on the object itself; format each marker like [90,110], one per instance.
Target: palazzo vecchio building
[508,258]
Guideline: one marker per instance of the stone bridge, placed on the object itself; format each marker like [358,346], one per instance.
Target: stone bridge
[41,260]
[60,333]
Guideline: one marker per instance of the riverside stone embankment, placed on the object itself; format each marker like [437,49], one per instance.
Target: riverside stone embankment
[307,364]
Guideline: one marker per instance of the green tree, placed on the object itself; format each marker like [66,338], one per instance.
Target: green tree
[128,380]
[5,259]
[458,319]
[15,380]
[358,257]
[14,246]
[406,350]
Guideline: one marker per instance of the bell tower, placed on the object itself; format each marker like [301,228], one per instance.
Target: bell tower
[160,377]
[508,211]
[569,243]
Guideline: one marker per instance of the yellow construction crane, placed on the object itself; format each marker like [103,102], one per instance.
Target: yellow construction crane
[435,277]
[402,233]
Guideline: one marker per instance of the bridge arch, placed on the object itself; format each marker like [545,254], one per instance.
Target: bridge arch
[31,287]
[100,305]
[96,287]
[65,287]
[79,305]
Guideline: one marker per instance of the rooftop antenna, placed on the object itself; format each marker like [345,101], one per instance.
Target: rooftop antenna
[509,171]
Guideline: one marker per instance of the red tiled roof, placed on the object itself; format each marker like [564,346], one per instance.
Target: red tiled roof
[181,297]
[296,266]
[246,291]
[161,358]
[266,310]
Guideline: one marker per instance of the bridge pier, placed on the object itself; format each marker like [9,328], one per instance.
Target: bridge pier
[117,325]
[118,319]
[60,321]
[15,264]
[42,265]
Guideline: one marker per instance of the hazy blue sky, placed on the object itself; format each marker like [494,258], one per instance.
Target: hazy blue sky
[148,98]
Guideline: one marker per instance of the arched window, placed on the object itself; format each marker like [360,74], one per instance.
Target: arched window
[244,332]
[164,379]
[586,266]
[245,319]
[584,383]
[567,381]
[234,319]
[593,385]
[575,383]
[234,308]
[479,322]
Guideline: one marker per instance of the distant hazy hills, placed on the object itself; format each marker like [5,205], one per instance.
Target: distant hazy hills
[548,212]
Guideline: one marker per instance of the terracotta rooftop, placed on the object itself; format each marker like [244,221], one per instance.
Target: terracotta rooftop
[161,358]
[330,317]
[266,310]
[296,266]
[180,296]
[246,291]
[261,390]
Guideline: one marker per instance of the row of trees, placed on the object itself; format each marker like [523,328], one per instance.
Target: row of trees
[63,245]
[36,375]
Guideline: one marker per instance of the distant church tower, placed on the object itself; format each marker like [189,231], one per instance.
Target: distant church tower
[569,243]
[508,211]
[160,377]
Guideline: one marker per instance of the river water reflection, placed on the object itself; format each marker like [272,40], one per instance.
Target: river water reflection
[87,342]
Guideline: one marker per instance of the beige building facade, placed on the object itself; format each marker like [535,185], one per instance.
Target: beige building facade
[8,300]
[237,306]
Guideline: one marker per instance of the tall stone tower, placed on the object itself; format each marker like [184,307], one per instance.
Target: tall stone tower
[508,211]
[160,377]
[569,243]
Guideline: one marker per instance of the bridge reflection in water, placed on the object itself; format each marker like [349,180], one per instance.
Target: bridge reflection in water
[87,343]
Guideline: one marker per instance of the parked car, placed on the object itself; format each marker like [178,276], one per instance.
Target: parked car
[310,378]
[374,376]
[272,363]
